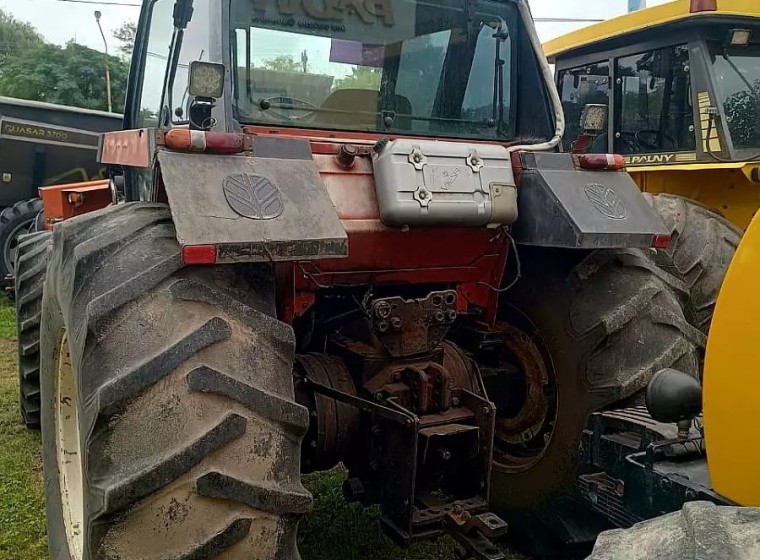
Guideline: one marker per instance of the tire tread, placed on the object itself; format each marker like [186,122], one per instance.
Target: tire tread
[31,266]
[182,373]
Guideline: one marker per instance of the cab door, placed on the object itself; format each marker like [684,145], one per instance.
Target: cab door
[654,116]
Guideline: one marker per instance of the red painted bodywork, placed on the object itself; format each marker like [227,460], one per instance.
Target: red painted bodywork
[132,148]
[62,202]
[704,6]
[470,260]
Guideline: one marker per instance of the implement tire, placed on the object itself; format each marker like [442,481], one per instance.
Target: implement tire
[603,326]
[701,248]
[31,267]
[15,221]
[170,428]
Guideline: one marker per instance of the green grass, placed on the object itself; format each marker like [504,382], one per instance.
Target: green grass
[335,530]
[7,320]
[22,506]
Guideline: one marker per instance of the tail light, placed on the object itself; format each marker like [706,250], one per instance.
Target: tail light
[200,141]
[601,162]
[199,254]
[704,6]
[661,241]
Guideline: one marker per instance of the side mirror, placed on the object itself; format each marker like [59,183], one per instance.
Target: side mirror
[674,397]
[594,118]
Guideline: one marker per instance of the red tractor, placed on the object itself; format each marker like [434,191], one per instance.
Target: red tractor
[340,233]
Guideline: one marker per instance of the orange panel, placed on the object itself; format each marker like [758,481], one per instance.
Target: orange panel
[66,201]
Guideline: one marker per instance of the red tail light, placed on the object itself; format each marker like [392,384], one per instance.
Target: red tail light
[184,140]
[601,162]
[224,142]
[661,241]
[703,6]
[199,254]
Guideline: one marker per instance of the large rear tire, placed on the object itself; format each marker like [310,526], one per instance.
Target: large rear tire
[15,221]
[31,267]
[170,428]
[702,245]
[603,327]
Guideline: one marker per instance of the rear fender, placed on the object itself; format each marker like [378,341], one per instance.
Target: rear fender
[562,206]
[270,207]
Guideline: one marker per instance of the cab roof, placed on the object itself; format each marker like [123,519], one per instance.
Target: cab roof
[672,12]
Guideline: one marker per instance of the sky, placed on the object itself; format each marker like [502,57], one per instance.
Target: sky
[61,21]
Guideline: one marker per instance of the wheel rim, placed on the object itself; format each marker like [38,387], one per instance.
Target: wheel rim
[524,432]
[10,251]
[68,450]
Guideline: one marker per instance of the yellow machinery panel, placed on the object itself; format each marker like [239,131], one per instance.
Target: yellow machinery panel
[732,378]
[726,187]
[670,12]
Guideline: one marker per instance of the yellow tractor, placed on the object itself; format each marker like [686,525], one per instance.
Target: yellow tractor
[712,527]
[675,89]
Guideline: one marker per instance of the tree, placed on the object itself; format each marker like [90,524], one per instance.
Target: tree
[742,112]
[362,77]
[73,75]
[283,63]
[15,37]
[126,36]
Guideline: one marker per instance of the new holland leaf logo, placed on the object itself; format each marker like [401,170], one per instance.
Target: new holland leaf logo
[253,196]
[606,201]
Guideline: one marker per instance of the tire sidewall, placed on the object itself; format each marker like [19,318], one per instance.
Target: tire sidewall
[50,328]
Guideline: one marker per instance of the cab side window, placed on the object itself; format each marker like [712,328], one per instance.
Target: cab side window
[654,109]
[585,91]
[195,46]
[155,60]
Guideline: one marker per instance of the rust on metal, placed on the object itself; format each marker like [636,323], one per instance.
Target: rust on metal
[446,417]
[474,532]
[346,156]
[132,148]
[333,425]
[412,326]
[460,368]
[62,202]
[527,423]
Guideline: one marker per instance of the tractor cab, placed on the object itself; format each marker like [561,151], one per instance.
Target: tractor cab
[674,89]
[374,67]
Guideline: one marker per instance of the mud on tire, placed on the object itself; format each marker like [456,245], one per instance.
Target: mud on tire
[700,531]
[31,266]
[190,436]
[605,326]
[702,245]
